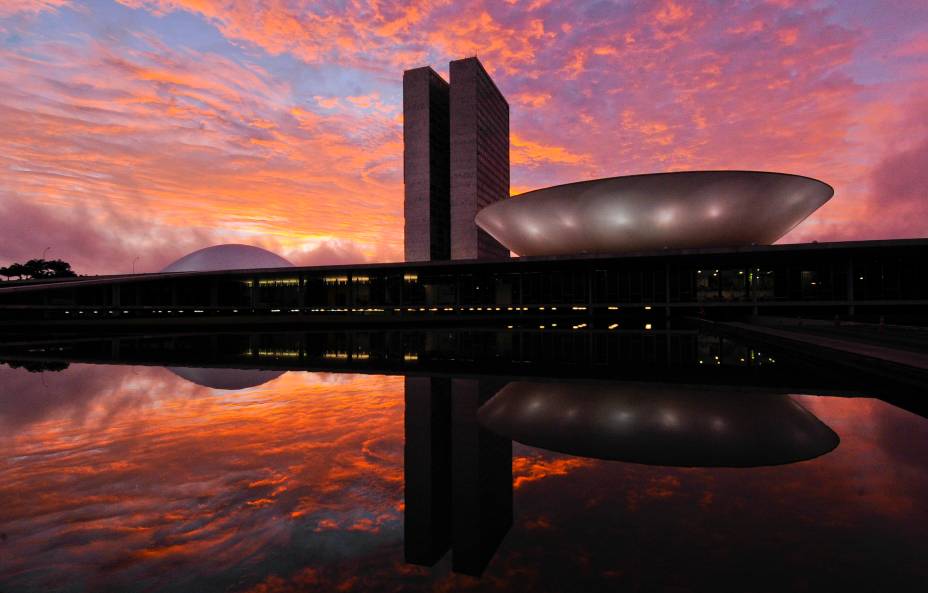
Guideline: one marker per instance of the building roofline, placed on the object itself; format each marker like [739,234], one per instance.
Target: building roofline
[485,73]
[431,71]
[590,258]
[663,173]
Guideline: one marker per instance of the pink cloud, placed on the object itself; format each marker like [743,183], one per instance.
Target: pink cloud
[92,242]
[899,203]
[914,47]
[330,252]
[10,7]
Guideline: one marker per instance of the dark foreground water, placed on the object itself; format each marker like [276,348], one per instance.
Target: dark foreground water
[678,471]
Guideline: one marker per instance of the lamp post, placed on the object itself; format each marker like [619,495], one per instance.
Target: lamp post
[133,263]
[44,252]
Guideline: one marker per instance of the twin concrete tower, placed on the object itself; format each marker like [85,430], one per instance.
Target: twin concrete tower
[455,161]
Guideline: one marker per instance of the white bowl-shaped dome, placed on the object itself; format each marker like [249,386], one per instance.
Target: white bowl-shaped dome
[229,256]
[685,210]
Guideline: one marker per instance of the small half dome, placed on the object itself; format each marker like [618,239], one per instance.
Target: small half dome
[229,256]
[228,379]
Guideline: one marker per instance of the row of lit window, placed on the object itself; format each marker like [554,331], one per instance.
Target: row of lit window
[335,280]
[381,310]
[273,282]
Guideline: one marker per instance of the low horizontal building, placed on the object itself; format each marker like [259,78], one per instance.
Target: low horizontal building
[866,278]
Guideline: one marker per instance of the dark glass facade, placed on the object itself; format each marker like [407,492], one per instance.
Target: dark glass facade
[874,277]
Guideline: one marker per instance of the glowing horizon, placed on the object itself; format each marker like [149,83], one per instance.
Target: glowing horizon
[152,128]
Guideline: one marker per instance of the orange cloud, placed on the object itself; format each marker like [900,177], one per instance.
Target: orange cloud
[527,152]
[788,36]
[527,469]
[530,99]
[671,12]
[201,145]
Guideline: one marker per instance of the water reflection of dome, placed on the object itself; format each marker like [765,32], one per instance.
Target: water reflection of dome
[658,424]
[230,256]
[230,379]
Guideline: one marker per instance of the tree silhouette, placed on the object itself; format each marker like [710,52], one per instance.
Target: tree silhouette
[38,268]
[18,270]
[60,269]
[35,268]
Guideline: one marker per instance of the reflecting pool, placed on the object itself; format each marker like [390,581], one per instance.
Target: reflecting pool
[446,460]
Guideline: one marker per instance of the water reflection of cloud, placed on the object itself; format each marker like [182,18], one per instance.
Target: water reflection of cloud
[297,485]
[170,482]
[81,392]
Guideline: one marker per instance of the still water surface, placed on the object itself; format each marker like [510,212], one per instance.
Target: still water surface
[131,477]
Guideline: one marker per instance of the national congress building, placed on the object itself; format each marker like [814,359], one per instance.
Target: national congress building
[599,251]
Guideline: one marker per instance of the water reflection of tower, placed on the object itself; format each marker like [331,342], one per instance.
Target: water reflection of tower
[458,475]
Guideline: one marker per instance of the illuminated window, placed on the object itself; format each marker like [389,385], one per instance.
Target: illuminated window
[279,282]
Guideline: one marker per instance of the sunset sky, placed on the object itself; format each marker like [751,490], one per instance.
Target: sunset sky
[150,128]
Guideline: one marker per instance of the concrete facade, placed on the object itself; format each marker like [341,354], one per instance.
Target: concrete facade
[479,157]
[426,168]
